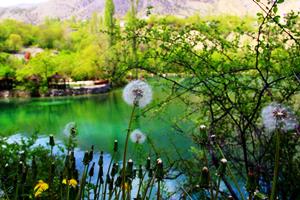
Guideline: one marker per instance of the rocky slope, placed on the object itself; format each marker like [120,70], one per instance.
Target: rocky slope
[83,9]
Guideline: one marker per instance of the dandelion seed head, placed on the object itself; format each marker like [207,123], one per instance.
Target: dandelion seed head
[138,93]
[138,137]
[275,114]
[69,126]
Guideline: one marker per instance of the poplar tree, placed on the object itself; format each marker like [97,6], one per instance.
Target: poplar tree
[109,20]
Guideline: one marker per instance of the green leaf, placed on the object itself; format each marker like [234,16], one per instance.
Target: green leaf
[276,18]
[259,196]
[280,1]
[275,9]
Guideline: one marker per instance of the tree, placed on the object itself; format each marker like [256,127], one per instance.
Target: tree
[132,26]
[14,42]
[109,20]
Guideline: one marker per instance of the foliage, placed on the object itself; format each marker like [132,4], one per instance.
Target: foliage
[224,69]
[32,171]
[226,77]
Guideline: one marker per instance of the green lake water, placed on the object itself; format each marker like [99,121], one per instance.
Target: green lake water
[100,120]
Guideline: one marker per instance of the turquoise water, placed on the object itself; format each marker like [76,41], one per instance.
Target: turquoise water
[100,120]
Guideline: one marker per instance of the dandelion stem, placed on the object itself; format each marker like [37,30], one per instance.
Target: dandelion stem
[82,183]
[218,186]
[17,189]
[68,191]
[275,177]
[89,191]
[158,190]
[125,152]
[140,185]
[118,194]
[150,182]
[5,192]
[151,188]
[112,193]
[210,189]
[107,174]
[231,174]
[251,196]
[98,187]
[51,152]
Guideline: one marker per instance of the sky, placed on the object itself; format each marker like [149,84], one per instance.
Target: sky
[6,3]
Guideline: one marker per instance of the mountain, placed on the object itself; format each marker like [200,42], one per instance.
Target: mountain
[83,9]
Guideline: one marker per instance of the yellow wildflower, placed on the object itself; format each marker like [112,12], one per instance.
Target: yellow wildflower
[72,182]
[40,187]
[64,181]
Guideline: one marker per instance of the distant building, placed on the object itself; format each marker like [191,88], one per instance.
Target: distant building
[27,53]
[57,81]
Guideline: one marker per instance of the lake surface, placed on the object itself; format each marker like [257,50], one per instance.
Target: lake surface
[100,120]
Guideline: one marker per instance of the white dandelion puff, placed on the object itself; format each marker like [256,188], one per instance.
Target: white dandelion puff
[276,114]
[68,127]
[138,137]
[137,92]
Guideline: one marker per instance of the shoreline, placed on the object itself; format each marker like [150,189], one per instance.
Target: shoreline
[75,91]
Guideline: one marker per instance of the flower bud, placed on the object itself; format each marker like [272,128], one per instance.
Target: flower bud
[222,167]
[113,170]
[148,163]
[140,175]
[160,169]
[129,169]
[213,138]
[86,158]
[91,153]
[204,181]
[116,146]
[51,141]
[91,172]
[22,156]
[100,162]
[202,127]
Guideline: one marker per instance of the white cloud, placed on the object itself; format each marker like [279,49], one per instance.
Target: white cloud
[7,3]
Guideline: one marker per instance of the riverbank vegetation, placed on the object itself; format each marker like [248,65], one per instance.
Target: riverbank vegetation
[90,50]
[238,78]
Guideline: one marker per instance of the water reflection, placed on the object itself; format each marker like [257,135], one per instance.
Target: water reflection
[100,120]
